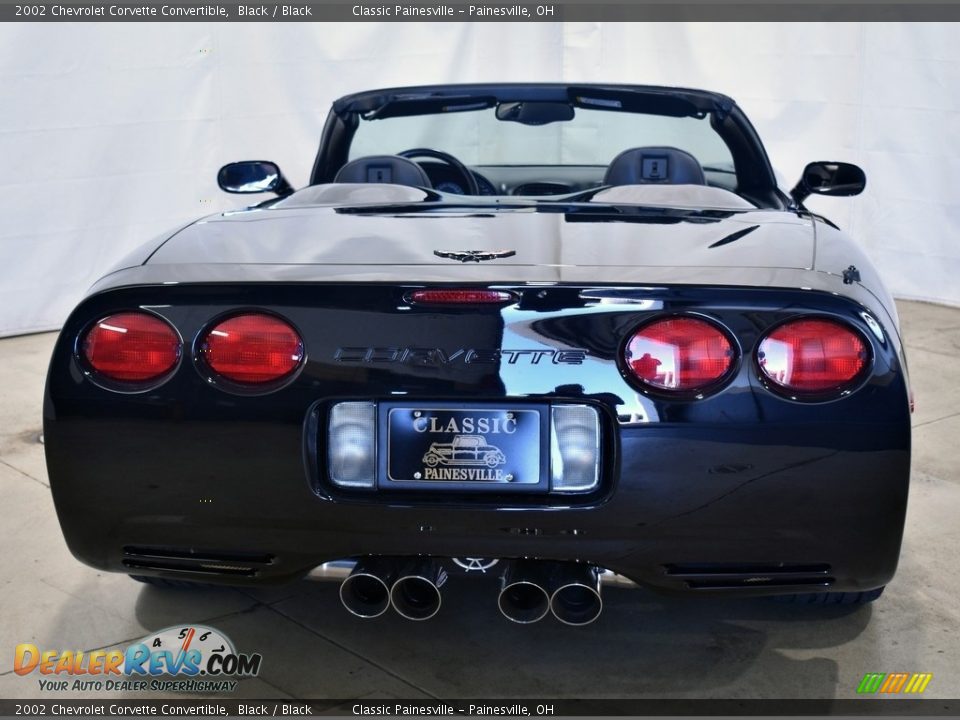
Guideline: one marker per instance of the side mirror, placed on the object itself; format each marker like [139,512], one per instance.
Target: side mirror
[253,176]
[829,178]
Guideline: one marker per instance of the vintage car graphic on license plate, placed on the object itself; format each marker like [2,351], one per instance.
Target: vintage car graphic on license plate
[464,446]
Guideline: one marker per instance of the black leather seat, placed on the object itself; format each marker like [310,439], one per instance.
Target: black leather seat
[662,165]
[383,169]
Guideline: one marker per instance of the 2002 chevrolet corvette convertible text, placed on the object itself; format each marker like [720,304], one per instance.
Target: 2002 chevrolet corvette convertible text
[583,338]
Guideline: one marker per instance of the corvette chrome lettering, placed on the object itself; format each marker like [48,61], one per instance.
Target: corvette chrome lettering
[468,356]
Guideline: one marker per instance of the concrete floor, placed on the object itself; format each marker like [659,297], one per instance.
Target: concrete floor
[643,646]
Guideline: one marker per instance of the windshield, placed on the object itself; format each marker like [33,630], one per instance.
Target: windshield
[592,137]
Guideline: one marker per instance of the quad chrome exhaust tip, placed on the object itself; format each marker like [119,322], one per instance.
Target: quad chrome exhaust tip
[532,589]
[415,593]
[529,589]
[365,592]
[372,585]
[523,592]
[576,598]
[340,569]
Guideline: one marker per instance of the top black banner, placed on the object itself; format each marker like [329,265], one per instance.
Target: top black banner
[456,11]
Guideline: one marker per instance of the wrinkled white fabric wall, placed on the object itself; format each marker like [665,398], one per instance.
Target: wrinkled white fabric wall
[112,133]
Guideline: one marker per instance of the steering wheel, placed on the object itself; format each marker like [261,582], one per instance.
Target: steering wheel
[447,159]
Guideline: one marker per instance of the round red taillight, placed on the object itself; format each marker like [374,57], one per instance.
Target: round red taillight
[679,354]
[132,347]
[252,349]
[812,355]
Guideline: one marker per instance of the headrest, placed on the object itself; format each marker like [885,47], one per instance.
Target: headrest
[667,165]
[383,169]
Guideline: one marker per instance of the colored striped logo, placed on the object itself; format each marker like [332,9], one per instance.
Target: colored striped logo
[893,683]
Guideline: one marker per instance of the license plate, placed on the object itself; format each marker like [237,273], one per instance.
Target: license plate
[501,449]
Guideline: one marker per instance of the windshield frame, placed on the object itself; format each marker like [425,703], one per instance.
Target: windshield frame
[756,179]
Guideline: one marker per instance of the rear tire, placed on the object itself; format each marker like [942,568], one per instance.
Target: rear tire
[831,598]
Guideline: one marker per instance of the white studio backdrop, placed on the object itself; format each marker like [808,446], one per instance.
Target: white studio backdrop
[112,133]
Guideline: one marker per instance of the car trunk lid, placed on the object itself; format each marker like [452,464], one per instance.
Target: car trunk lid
[398,243]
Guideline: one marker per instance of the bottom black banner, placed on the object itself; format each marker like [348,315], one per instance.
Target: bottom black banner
[476,708]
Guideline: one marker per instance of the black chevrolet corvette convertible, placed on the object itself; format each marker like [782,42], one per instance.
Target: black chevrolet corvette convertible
[567,335]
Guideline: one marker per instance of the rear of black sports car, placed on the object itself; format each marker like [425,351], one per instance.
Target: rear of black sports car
[243,408]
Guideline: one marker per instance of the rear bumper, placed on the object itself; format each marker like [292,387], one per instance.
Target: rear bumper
[707,509]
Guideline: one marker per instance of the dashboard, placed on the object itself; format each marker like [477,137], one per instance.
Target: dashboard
[445,179]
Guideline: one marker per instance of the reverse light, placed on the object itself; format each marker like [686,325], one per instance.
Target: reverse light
[574,448]
[132,347]
[352,444]
[679,354]
[252,349]
[460,296]
[813,355]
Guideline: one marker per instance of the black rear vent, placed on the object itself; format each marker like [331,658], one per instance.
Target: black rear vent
[195,562]
[542,188]
[729,576]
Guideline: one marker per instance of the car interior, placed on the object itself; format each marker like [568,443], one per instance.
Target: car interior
[659,165]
